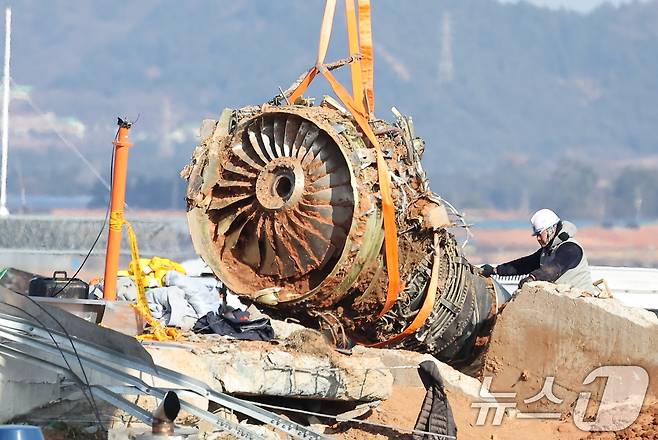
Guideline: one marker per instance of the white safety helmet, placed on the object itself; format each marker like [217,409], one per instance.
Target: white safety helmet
[543,219]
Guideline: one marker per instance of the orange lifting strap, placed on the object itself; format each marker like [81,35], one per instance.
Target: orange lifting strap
[301,88]
[367,60]
[428,303]
[390,227]
[325,36]
[325,30]
[355,66]
[361,117]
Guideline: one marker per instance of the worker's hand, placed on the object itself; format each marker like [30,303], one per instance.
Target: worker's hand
[530,277]
[487,270]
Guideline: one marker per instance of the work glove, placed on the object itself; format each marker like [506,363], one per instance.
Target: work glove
[530,277]
[487,270]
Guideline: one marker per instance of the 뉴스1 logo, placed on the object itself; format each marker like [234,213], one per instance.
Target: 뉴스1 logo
[623,396]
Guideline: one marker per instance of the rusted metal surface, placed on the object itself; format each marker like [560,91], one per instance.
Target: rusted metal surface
[284,200]
[284,206]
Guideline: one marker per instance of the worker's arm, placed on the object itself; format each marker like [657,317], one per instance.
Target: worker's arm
[567,256]
[520,266]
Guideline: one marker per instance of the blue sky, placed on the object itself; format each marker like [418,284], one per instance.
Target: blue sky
[578,5]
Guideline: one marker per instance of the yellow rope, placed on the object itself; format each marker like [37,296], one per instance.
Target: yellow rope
[158,331]
[116,220]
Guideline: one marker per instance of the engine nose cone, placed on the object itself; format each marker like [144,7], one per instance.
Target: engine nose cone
[280,184]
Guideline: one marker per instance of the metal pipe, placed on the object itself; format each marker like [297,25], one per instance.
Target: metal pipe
[5,116]
[165,414]
[117,206]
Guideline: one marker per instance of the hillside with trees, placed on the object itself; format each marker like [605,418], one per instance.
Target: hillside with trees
[520,106]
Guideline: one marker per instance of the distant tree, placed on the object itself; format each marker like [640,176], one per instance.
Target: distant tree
[634,194]
[510,184]
[569,189]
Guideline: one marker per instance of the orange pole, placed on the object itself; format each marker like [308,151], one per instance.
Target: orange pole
[118,202]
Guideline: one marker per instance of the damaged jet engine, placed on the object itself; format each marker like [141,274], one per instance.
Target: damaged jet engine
[284,206]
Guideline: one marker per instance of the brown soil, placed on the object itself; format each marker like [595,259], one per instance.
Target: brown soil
[644,428]
[61,431]
[402,409]
[309,342]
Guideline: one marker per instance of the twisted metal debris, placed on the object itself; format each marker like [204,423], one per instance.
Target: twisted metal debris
[284,206]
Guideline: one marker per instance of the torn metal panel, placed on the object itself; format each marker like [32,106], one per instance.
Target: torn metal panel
[59,321]
[33,336]
[16,279]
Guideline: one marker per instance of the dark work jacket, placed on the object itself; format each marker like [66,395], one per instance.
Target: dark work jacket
[562,261]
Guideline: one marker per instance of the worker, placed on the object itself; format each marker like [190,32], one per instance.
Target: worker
[560,259]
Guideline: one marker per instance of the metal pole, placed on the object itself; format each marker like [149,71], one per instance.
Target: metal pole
[118,203]
[5,117]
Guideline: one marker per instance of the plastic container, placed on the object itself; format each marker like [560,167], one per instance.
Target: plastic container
[20,432]
[59,286]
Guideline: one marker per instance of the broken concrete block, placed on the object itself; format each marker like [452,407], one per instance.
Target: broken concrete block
[182,360]
[316,425]
[547,332]
[283,329]
[402,363]
[358,412]
[24,387]
[279,373]
[310,369]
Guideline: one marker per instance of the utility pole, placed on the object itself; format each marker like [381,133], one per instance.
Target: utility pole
[5,117]
[167,146]
[446,66]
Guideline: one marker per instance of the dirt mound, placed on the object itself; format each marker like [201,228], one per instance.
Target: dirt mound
[529,346]
[309,342]
[644,428]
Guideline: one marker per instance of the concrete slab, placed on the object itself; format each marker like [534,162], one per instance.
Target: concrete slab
[402,365]
[553,331]
[303,366]
[25,387]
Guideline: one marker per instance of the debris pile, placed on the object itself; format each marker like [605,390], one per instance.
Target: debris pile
[286,209]
[567,344]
